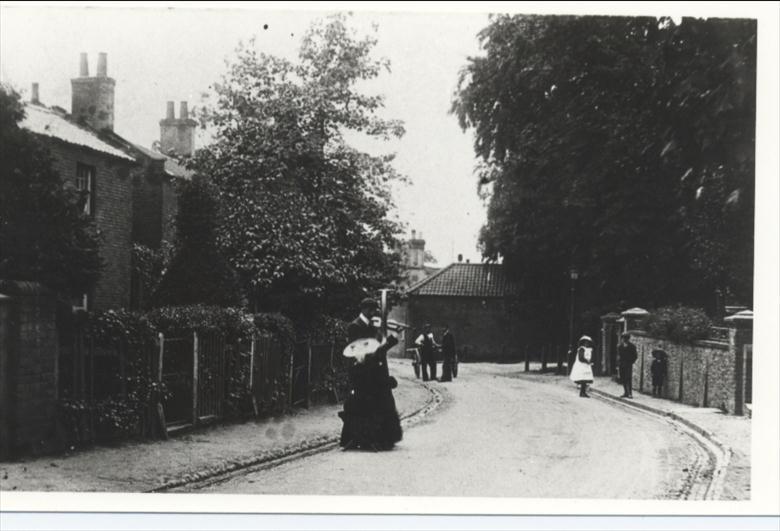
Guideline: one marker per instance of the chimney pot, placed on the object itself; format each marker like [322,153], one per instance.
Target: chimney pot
[102,66]
[468,261]
[414,234]
[34,95]
[169,111]
[183,114]
[460,258]
[83,65]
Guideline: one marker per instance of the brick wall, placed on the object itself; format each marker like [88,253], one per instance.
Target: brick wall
[483,328]
[29,354]
[699,374]
[113,217]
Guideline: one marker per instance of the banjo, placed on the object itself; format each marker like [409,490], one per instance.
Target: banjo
[360,348]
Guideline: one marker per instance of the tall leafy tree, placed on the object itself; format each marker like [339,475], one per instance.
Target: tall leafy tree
[592,131]
[44,235]
[306,214]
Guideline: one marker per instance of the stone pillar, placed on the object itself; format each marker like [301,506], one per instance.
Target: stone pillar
[610,328]
[740,336]
[634,318]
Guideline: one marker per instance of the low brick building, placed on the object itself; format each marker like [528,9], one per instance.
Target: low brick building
[476,300]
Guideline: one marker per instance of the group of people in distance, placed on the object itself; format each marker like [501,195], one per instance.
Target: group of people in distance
[427,346]
[582,372]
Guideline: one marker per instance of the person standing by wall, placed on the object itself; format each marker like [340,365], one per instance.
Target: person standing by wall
[626,357]
[448,352]
[581,371]
[658,371]
[427,346]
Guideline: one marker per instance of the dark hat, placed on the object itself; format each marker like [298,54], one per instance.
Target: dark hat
[368,303]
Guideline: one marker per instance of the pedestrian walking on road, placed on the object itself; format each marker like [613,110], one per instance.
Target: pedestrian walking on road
[370,417]
[626,357]
[581,371]
[658,371]
[428,347]
[448,352]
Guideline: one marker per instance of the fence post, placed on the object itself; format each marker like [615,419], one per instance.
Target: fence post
[307,402]
[195,378]
[544,357]
[559,360]
[161,338]
[526,358]
[252,351]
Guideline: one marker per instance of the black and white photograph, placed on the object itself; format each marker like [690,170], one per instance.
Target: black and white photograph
[373,252]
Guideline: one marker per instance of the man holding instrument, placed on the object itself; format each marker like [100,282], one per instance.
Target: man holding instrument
[370,416]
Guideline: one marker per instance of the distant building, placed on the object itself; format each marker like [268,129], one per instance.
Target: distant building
[476,300]
[413,261]
[131,189]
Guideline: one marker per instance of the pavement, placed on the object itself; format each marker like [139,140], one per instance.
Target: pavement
[145,466]
[730,432]
[483,403]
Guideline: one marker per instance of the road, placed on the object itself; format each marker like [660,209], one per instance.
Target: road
[498,435]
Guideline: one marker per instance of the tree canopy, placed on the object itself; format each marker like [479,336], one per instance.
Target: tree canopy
[44,235]
[623,147]
[305,213]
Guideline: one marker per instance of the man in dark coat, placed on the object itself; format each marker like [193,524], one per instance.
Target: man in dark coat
[626,357]
[370,416]
[448,352]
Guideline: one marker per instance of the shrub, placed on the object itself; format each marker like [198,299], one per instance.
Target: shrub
[176,320]
[678,323]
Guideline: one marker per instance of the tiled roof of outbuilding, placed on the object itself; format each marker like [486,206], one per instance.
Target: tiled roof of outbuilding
[48,122]
[466,280]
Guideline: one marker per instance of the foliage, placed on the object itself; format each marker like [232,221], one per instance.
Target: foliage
[116,415]
[305,213]
[149,265]
[198,272]
[678,323]
[177,320]
[621,146]
[44,234]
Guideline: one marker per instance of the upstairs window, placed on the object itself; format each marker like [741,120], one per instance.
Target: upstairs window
[85,183]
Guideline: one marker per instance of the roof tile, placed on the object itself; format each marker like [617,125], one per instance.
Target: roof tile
[467,280]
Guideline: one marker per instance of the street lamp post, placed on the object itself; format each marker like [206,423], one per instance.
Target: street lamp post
[573,275]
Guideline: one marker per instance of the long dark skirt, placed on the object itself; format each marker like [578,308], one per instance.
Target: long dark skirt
[370,416]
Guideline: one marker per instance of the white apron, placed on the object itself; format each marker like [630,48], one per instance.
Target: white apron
[582,372]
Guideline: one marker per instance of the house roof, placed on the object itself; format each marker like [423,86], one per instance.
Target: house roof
[171,165]
[48,122]
[466,280]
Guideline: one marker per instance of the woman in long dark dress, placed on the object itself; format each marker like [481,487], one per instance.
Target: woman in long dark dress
[371,420]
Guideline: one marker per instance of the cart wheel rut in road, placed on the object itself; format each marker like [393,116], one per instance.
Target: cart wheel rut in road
[493,435]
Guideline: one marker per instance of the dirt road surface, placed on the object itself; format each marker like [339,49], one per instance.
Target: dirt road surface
[495,435]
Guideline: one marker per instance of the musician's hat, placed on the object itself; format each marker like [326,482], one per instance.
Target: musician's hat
[368,303]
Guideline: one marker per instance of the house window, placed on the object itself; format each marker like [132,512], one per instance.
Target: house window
[81,303]
[85,183]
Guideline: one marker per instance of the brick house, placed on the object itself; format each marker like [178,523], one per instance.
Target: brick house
[132,189]
[476,300]
[88,163]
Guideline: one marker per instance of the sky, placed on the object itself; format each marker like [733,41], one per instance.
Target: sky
[161,54]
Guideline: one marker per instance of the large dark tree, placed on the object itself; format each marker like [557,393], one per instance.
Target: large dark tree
[619,146]
[44,235]
[306,214]
[198,272]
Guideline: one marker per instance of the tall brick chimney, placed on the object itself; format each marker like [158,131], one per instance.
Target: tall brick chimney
[92,98]
[177,135]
